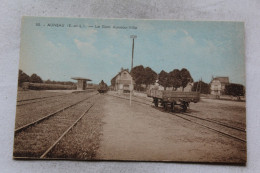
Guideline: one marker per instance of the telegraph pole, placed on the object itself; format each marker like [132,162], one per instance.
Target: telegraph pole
[133,45]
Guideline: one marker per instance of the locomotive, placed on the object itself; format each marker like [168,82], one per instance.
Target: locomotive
[102,87]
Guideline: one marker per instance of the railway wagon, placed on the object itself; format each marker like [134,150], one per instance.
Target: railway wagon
[170,98]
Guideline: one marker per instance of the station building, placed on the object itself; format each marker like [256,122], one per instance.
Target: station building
[123,81]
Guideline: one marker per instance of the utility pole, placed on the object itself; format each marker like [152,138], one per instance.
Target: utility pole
[133,46]
[132,88]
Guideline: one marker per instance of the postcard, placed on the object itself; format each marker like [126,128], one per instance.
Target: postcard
[131,90]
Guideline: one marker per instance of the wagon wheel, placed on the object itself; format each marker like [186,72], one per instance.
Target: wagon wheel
[155,100]
[162,103]
[172,107]
[165,106]
[184,106]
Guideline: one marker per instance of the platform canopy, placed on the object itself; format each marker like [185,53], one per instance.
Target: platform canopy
[81,78]
[81,85]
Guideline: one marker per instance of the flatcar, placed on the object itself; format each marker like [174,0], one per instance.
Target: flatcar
[170,98]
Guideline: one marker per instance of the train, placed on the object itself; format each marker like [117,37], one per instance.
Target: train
[102,87]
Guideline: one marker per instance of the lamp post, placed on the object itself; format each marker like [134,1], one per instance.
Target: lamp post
[132,87]
[133,46]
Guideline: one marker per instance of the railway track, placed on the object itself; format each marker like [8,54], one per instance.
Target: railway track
[230,131]
[40,99]
[63,134]
[49,130]
[217,122]
[213,125]
[31,112]
[49,115]
[36,100]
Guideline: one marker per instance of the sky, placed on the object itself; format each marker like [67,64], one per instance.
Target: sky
[61,48]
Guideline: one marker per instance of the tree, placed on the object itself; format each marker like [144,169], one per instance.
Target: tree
[35,78]
[23,77]
[201,87]
[143,76]
[48,81]
[175,79]
[236,90]
[163,79]
[185,78]
[150,76]
[138,74]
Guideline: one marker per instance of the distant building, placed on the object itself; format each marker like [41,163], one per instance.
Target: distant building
[123,81]
[156,86]
[217,85]
[160,87]
[187,88]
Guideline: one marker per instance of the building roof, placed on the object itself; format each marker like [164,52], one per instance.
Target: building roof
[122,81]
[122,70]
[222,79]
[81,78]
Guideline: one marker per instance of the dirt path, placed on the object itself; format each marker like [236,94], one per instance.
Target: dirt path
[140,132]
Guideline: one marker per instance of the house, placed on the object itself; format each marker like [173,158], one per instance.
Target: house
[188,88]
[157,86]
[123,81]
[217,85]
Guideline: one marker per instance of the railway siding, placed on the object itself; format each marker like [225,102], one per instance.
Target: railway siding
[234,118]
[142,132]
[223,129]
[217,128]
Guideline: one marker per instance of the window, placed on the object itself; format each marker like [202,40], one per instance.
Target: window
[124,75]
